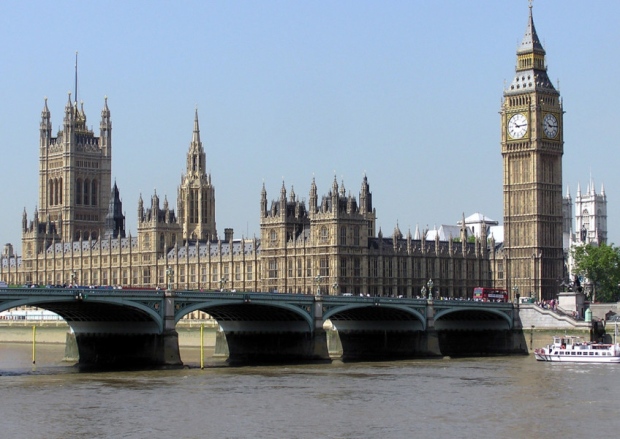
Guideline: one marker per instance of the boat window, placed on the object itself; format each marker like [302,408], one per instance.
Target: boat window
[572,353]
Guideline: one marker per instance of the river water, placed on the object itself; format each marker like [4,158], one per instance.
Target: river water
[506,397]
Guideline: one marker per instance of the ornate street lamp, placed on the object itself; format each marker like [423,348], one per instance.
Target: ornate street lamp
[317,280]
[169,276]
[223,281]
[429,284]
[515,291]
[335,286]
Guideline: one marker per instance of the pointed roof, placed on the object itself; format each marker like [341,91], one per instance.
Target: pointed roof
[530,42]
[196,134]
[531,70]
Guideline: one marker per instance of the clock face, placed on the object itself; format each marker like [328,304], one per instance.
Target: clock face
[550,126]
[517,126]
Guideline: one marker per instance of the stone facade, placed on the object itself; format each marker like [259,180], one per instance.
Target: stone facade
[329,247]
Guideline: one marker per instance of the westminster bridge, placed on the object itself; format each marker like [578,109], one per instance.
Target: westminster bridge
[136,328]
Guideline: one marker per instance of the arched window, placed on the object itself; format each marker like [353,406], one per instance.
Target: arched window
[50,189]
[324,235]
[162,241]
[60,190]
[193,206]
[204,206]
[86,191]
[78,191]
[93,198]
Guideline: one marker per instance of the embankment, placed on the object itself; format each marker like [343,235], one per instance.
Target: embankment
[20,331]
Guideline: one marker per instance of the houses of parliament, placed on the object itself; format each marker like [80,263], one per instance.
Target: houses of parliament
[329,246]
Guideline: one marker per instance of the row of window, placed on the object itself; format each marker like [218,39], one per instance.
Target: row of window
[323,235]
[86,164]
[54,189]
[92,277]
[85,235]
[353,267]
[597,353]
[86,192]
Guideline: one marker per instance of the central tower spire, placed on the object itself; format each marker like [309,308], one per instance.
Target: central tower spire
[196,195]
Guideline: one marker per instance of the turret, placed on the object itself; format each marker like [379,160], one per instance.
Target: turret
[69,121]
[263,202]
[283,200]
[154,207]
[313,202]
[335,197]
[105,128]
[46,125]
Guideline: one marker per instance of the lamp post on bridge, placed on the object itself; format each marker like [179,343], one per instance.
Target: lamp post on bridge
[335,286]
[317,280]
[169,276]
[515,291]
[223,281]
[429,284]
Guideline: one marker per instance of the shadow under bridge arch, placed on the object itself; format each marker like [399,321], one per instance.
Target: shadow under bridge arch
[477,330]
[377,331]
[112,329]
[259,328]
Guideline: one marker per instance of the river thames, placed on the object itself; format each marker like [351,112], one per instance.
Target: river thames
[499,397]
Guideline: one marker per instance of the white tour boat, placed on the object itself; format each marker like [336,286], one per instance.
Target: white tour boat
[571,349]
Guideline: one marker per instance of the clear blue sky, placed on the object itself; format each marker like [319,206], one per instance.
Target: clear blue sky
[406,92]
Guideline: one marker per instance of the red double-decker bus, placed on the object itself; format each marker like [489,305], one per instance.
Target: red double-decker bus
[482,294]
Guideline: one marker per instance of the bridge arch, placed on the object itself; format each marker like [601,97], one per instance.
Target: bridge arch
[480,318]
[78,309]
[374,311]
[247,310]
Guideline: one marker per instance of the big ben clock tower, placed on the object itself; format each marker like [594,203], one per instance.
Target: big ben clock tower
[532,148]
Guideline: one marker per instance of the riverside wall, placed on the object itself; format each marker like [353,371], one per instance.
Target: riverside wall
[20,331]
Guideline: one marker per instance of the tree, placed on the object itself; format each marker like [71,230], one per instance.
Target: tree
[601,266]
